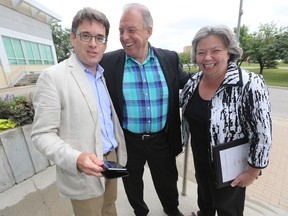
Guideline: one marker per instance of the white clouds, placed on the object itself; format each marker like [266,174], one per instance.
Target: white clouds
[176,22]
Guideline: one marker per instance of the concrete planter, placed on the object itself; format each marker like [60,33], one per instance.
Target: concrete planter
[6,176]
[19,158]
[39,161]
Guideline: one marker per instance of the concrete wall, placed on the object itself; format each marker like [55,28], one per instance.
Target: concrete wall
[27,178]
[19,160]
[15,21]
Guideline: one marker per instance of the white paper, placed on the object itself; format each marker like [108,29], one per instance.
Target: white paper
[234,161]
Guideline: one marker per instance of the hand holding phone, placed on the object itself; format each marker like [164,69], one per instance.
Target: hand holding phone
[114,170]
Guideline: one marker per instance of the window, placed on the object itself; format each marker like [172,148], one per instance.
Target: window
[18,52]
[33,53]
[9,50]
[36,53]
[21,52]
[46,54]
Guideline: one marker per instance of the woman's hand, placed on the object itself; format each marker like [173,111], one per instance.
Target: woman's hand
[246,178]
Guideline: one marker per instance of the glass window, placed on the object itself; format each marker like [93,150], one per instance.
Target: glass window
[9,50]
[29,52]
[46,52]
[49,53]
[20,52]
[8,47]
[36,50]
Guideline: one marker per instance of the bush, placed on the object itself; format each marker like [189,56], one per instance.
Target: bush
[6,124]
[18,109]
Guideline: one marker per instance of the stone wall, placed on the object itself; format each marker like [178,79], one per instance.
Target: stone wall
[19,159]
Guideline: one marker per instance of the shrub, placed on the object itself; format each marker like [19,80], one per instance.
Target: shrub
[19,109]
[6,124]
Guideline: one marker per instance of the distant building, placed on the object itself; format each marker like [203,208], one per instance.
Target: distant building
[187,49]
[26,42]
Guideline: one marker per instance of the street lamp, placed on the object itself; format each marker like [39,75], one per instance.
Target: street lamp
[239,20]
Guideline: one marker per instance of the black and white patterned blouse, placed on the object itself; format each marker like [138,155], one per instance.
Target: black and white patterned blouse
[240,108]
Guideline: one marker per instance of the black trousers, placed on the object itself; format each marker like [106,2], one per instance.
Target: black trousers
[155,151]
[226,201]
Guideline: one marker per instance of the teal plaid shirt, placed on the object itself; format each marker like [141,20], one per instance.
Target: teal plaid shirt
[145,95]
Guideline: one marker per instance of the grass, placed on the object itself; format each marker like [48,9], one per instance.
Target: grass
[273,77]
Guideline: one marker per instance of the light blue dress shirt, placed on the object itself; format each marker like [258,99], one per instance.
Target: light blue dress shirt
[103,101]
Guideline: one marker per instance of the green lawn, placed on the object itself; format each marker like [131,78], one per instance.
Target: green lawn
[273,77]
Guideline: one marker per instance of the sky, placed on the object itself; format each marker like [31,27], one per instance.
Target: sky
[177,21]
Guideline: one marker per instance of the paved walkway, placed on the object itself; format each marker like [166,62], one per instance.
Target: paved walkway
[38,196]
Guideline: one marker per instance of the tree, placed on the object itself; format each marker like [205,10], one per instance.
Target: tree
[61,38]
[185,59]
[282,43]
[244,43]
[262,46]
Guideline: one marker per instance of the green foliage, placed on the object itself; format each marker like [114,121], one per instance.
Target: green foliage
[244,42]
[185,59]
[274,77]
[18,109]
[282,43]
[6,124]
[61,39]
[265,46]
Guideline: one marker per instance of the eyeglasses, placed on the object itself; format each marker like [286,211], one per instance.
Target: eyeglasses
[87,37]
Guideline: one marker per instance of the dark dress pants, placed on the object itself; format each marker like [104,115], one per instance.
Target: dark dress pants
[226,201]
[162,165]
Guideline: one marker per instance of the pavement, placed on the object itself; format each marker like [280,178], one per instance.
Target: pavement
[38,196]
[267,196]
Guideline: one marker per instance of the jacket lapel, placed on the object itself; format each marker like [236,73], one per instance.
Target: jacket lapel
[80,78]
[168,73]
[118,76]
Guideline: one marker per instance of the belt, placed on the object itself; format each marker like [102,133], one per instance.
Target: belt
[145,136]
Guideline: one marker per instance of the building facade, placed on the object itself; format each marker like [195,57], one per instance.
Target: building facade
[187,49]
[26,42]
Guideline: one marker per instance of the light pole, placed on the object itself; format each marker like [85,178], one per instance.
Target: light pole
[239,20]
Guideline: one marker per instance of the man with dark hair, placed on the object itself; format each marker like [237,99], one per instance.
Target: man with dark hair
[75,123]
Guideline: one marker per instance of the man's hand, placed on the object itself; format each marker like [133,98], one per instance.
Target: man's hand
[89,164]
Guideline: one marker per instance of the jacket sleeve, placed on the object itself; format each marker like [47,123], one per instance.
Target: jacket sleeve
[257,111]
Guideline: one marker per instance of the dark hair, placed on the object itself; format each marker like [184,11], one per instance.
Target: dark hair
[225,33]
[90,14]
[148,20]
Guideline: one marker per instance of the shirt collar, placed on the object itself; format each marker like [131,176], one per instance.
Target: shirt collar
[99,69]
[150,56]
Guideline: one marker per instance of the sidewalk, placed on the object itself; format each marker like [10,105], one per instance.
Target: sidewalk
[188,203]
[38,196]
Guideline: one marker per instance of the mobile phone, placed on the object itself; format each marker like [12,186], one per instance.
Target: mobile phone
[112,165]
